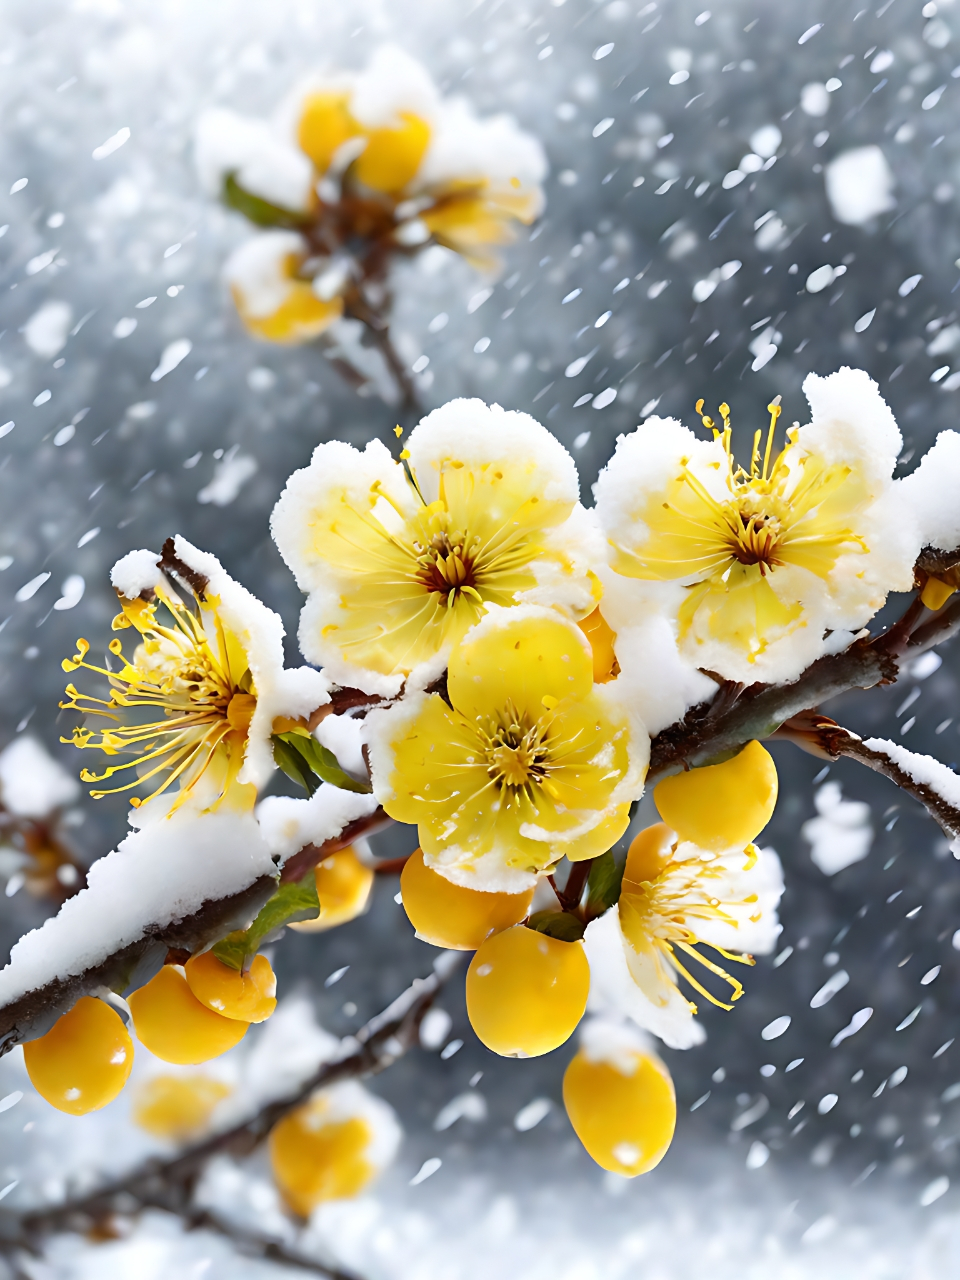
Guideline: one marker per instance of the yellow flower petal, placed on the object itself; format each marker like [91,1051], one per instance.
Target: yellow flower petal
[392,156]
[526,664]
[325,124]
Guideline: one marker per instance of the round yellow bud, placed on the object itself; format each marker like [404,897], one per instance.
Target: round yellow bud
[721,806]
[623,1110]
[83,1061]
[649,853]
[526,991]
[448,915]
[246,997]
[343,887]
[315,1158]
[177,1107]
[175,1026]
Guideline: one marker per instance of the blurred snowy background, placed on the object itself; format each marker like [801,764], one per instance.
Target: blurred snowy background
[706,234]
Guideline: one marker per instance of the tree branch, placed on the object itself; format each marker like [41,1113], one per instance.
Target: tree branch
[711,731]
[252,1245]
[707,732]
[33,1013]
[821,736]
[169,1184]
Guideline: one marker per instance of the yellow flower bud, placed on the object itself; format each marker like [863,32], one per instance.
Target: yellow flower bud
[343,888]
[936,593]
[526,991]
[244,997]
[316,1159]
[175,1026]
[449,915]
[177,1107]
[721,806]
[83,1061]
[622,1108]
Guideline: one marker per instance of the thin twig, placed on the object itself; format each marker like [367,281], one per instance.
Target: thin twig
[758,712]
[252,1245]
[821,736]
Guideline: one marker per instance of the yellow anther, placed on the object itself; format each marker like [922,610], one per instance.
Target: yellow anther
[398,431]
[115,647]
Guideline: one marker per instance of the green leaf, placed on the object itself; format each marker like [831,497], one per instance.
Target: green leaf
[603,883]
[302,758]
[291,902]
[259,211]
[293,764]
[558,924]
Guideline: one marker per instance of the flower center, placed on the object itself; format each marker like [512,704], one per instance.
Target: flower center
[175,705]
[516,752]
[754,538]
[446,564]
[664,911]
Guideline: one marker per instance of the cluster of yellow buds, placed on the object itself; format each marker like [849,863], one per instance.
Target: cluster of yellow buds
[186,1014]
[697,883]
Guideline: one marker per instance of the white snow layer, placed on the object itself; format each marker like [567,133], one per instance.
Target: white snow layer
[612,1041]
[259,158]
[477,435]
[156,876]
[259,271]
[288,823]
[841,834]
[295,692]
[135,572]
[859,185]
[923,769]
[930,493]
[32,783]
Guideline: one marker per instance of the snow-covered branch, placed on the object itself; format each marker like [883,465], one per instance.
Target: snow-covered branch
[935,785]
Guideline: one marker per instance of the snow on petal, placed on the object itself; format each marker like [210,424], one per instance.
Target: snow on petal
[397,569]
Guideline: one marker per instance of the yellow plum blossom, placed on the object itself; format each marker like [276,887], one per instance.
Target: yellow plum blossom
[195,703]
[528,761]
[359,167]
[400,561]
[676,899]
[757,564]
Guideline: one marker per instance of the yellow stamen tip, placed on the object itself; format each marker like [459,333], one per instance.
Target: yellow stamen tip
[398,431]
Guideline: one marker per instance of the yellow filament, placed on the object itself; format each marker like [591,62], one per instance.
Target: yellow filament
[190,672]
